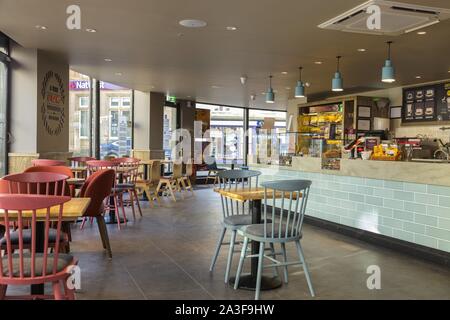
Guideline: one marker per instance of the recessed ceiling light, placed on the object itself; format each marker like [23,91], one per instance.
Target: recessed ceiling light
[231,28]
[284,72]
[91,30]
[448,71]
[288,88]
[421,33]
[118,73]
[216,87]
[41,27]
[193,23]
[362,50]
[418,77]
[318,62]
[108,60]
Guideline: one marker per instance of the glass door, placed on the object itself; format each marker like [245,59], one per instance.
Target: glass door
[170,125]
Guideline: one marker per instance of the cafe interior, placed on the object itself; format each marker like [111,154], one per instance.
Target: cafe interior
[233,150]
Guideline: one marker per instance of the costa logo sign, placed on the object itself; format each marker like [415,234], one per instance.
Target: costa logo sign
[53,100]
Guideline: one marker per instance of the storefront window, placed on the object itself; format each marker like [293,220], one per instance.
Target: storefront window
[4,67]
[227,133]
[3,101]
[170,125]
[115,121]
[80,112]
[267,136]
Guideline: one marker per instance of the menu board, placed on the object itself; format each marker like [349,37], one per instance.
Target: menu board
[428,103]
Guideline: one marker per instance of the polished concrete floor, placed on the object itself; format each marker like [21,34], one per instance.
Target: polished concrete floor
[167,253]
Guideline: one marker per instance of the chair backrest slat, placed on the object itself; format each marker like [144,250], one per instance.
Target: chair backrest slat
[289,222]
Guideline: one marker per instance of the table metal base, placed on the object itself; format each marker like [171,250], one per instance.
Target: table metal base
[248,282]
[113,220]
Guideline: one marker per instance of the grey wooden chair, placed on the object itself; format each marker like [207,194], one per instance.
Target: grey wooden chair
[235,214]
[282,228]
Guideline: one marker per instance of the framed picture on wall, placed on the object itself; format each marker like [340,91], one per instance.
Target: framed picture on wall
[364,125]
[396,113]
[364,112]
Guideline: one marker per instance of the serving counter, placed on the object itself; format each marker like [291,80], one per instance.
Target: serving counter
[409,201]
[413,172]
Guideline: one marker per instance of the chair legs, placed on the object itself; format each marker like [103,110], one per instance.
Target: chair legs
[230,255]
[241,263]
[273,254]
[116,208]
[130,193]
[70,293]
[104,235]
[261,265]
[305,268]
[283,250]
[3,289]
[260,269]
[57,290]
[216,253]
[137,202]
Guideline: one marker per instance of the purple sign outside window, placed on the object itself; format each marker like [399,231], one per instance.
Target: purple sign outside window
[79,85]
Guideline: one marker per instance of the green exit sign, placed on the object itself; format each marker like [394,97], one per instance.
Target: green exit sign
[172,99]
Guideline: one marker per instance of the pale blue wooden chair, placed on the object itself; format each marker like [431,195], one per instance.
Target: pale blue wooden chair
[235,214]
[286,227]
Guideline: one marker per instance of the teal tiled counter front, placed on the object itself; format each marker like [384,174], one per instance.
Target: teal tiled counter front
[416,213]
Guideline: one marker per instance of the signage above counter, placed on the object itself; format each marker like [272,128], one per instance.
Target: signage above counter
[427,103]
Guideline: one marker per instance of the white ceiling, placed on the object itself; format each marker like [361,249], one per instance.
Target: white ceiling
[143,39]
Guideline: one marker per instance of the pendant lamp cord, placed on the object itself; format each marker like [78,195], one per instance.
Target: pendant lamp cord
[389,49]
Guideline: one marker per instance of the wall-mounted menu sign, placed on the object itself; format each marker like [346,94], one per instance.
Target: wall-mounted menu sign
[428,103]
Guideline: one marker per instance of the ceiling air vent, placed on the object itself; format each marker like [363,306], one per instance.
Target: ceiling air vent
[396,18]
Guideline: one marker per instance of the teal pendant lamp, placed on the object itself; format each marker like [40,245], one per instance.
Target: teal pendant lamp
[388,72]
[300,88]
[270,95]
[338,81]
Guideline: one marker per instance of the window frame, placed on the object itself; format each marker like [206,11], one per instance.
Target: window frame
[87,111]
[5,59]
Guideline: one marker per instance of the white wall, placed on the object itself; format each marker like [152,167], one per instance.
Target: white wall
[23,99]
[141,120]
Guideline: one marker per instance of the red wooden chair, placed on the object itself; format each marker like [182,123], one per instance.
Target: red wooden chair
[129,169]
[59,170]
[69,190]
[37,183]
[98,187]
[80,161]
[47,162]
[116,193]
[32,267]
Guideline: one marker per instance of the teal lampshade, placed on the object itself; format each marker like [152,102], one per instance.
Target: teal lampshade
[338,82]
[388,73]
[300,90]
[270,96]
